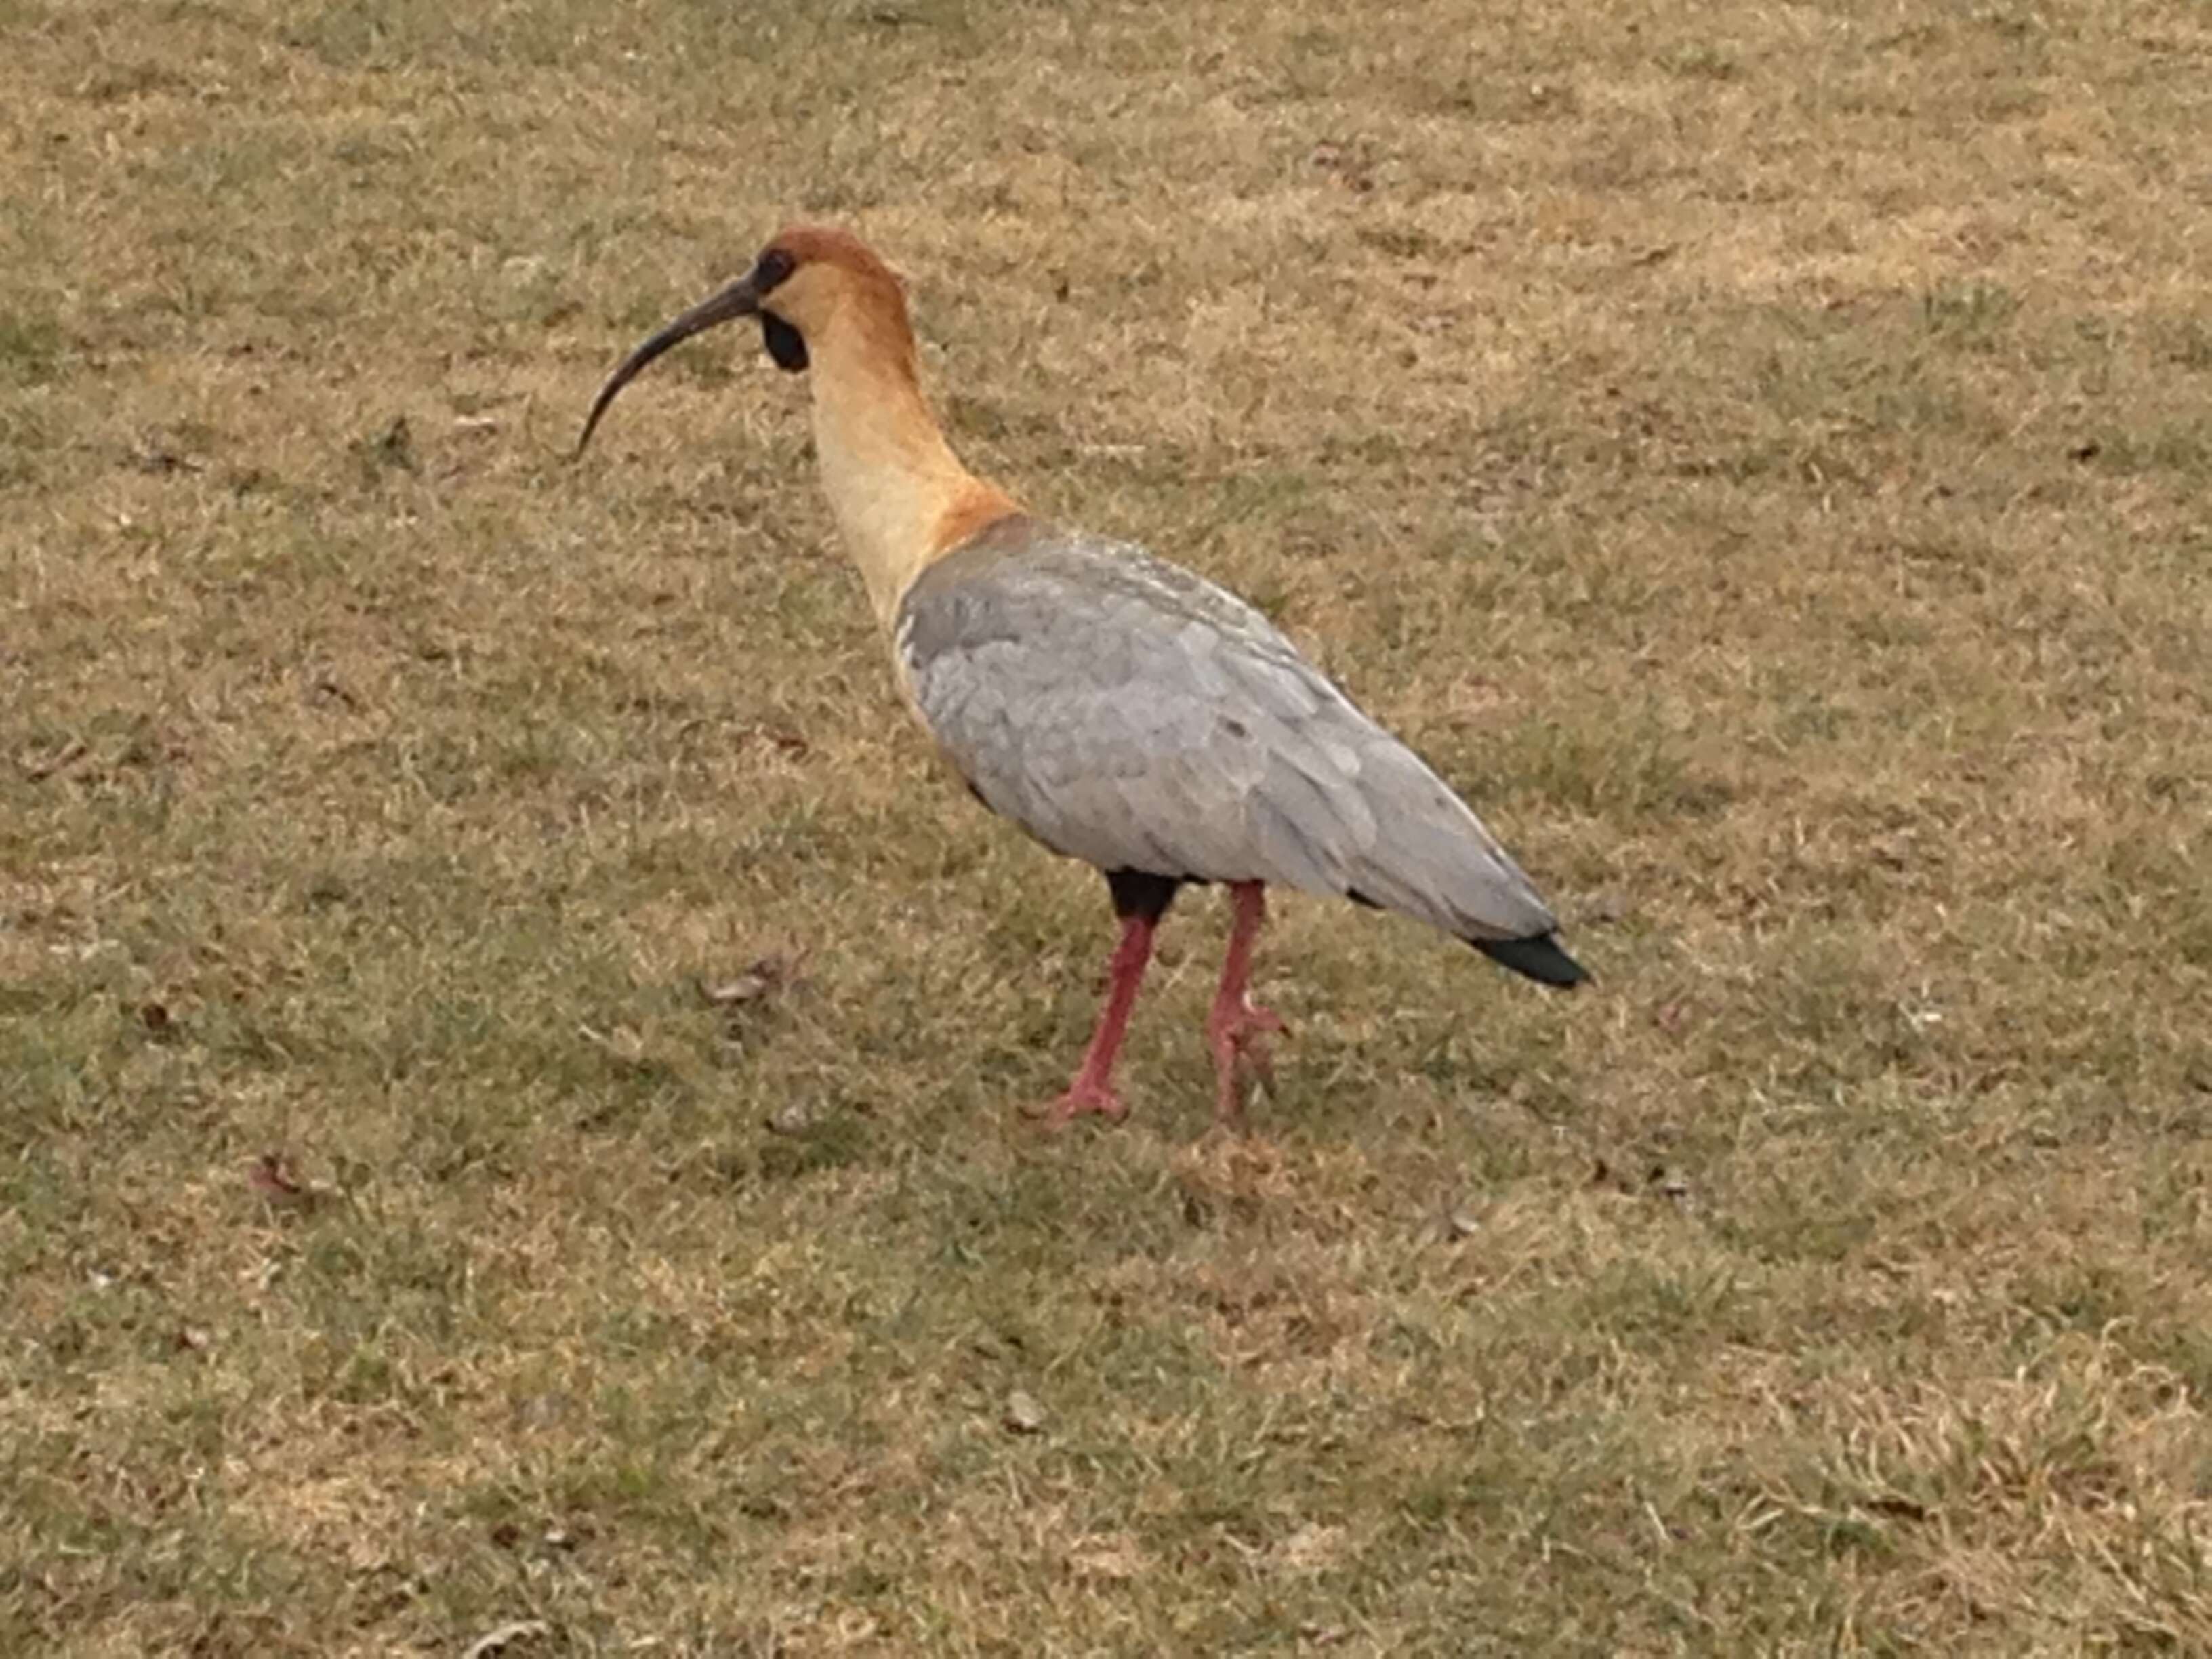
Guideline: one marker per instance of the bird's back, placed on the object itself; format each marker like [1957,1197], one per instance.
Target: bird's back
[1131,714]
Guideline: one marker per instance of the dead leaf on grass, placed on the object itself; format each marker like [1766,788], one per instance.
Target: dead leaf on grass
[59,760]
[792,1118]
[766,976]
[499,1640]
[272,1177]
[1023,1415]
[782,739]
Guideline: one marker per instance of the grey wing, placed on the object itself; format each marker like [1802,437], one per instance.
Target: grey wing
[1128,713]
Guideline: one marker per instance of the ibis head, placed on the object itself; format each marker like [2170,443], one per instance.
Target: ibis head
[829,306]
[810,282]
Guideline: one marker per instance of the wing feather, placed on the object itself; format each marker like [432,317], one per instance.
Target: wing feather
[1132,714]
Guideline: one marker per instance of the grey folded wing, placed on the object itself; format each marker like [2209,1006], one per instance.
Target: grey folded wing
[1132,714]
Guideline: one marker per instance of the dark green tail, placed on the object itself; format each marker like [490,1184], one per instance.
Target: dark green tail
[1539,956]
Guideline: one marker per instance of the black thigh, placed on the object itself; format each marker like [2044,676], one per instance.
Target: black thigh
[1140,893]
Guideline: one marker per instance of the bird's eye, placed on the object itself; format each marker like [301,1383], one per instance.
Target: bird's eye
[772,268]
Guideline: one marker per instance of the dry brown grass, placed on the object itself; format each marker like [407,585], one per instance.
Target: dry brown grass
[1762,452]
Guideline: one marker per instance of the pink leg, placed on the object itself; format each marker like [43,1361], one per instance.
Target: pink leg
[1235,1027]
[1093,1088]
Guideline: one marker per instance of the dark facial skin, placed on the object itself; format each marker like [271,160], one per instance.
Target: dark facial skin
[785,344]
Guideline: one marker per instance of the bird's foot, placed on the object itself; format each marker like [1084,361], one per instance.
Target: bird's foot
[1238,1038]
[1084,1094]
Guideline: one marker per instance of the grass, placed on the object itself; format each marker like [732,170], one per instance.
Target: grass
[1760,454]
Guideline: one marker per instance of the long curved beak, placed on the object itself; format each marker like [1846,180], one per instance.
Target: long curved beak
[740,299]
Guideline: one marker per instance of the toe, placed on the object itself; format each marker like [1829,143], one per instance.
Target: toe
[1076,1102]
